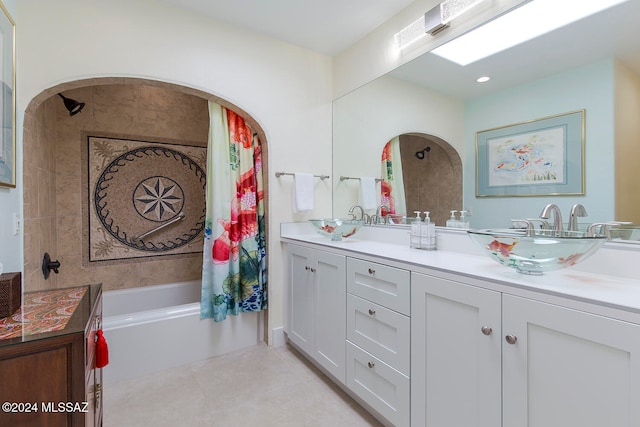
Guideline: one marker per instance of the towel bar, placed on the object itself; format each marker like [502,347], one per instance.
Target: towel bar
[279,174]
[342,178]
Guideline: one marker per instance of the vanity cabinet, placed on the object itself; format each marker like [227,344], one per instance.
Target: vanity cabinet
[568,367]
[51,376]
[482,358]
[317,306]
[378,337]
[455,354]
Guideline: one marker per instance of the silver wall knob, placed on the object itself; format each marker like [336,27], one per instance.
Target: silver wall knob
[372,271]
[371,365]
[371,312]
[486,330]
[511,339]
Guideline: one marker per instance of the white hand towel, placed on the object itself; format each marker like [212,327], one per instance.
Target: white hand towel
[302,192]
[367,192]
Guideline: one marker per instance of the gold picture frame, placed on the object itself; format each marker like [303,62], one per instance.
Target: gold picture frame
[7,99]
[541,157]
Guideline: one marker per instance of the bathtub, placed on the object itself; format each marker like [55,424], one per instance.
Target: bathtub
[154,328]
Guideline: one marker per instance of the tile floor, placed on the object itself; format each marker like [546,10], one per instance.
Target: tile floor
[259,386]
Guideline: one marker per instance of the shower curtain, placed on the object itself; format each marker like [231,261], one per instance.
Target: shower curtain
[392,187]
[234,275]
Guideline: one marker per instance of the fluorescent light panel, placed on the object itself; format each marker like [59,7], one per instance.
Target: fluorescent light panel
[525,23]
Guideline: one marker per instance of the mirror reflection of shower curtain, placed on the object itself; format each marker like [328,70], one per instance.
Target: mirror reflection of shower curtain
[392,186]
[234,267]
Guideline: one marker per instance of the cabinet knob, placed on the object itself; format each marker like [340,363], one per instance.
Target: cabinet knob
[486,330]
[372,271]
[371,365]
[371,312]
[511,339]
[306,267]
[313,270]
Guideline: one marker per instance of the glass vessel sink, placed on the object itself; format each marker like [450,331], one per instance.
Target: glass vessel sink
[542,251]
[336,228]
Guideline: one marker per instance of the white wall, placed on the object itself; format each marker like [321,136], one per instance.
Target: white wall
[286,89]
[11,201]
[366,119]
[590,88]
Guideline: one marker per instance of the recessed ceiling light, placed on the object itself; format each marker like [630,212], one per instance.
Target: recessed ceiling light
[483,79]
[524,23]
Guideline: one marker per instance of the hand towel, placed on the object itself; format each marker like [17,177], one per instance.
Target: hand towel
[367,193]
[302,192]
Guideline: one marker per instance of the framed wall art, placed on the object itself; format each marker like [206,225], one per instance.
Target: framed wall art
[540,157]
[7,100]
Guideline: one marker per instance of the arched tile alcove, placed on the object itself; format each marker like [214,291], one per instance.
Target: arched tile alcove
[54,206]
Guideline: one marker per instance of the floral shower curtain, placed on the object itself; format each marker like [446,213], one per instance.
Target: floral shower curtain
[234,275]
[392,187]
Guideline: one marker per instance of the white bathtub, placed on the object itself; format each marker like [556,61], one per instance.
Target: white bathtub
[154,328]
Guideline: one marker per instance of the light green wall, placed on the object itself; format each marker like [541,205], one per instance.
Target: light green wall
[590,88]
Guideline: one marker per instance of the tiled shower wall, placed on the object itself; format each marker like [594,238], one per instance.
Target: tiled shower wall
[434,183]
[144,111]
[39,217]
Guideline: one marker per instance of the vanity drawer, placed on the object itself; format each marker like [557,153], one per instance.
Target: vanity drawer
[379,385]
[381,284]
[382,332]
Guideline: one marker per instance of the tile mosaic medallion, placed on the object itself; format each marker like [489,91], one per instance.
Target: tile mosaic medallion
[135,187]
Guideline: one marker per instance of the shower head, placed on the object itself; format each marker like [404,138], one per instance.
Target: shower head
[72,105]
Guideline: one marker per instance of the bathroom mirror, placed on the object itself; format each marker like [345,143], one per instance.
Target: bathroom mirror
[549,75]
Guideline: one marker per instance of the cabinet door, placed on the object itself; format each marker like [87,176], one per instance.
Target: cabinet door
[455,354]
[330,312]
[301,290]
[563,367]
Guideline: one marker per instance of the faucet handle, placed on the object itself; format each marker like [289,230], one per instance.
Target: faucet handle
[530,232]
[603,227]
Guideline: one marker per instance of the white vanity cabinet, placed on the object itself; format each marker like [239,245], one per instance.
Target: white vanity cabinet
[482,358]
[378,337]
[455,354]
[568,367]
[317,306]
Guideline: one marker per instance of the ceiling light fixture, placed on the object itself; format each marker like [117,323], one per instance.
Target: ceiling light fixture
[434,21]
[483,79]
[531,20]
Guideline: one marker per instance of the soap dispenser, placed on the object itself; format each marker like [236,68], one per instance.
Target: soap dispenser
[428,234]
[416,230]
[463,223]
[452,222]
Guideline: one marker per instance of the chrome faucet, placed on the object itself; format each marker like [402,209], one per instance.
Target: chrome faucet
[557,217]
[577,210]
[354,207]
[375,219]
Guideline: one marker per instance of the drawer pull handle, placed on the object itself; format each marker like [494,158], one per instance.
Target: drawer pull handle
[372,271]
[371,312]
[486,330]
[371,365]
[511,339]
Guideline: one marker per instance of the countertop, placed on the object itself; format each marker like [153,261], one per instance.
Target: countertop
[50,313]
[612,296]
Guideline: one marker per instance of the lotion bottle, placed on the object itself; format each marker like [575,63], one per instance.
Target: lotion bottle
[452,222]
[416,230]
[428,234]
[463,223]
